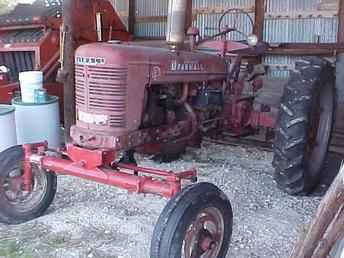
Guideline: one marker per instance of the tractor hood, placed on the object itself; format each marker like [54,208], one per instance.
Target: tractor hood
[163,65]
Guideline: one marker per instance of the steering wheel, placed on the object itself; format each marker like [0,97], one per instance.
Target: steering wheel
[236,13]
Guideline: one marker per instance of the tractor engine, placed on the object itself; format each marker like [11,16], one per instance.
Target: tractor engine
[128,96]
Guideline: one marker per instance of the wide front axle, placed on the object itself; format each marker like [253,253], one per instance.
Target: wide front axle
[99,166]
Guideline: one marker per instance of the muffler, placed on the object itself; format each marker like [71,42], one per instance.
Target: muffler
[176,23]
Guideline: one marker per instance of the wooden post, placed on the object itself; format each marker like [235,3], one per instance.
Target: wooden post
[321,223]
[132,16]
[332,235]
[66,74]
[259,19]
[341,22]
[189,15]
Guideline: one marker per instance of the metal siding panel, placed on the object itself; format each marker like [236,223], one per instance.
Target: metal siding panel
[276,30]
[122,7]
[304,30]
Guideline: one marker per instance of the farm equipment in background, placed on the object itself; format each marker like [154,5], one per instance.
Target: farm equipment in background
[30,39]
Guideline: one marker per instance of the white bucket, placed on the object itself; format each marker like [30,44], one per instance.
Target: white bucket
[8,136]
[29,82]
[38,122]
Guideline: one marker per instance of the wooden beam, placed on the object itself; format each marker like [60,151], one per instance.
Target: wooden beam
[150,19]
[66,74]
[341,22]
[189,15]
[326,49]
[333,234]
[325,216]
[302,14]
[221,9]
[132,16]
[259,19]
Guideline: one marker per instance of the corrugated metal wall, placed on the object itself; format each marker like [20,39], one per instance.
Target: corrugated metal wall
[286,21]
[207,15]
[296,21]
[151,27]
[122,8]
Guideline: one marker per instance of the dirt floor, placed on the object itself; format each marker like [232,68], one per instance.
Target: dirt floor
[90,220]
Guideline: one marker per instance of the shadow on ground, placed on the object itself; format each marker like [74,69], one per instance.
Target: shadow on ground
[330,171]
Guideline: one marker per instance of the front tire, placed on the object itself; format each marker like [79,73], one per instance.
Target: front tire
[304,126]
[197,222]
[17,206]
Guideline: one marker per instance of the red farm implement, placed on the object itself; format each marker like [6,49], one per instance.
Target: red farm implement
[30,40]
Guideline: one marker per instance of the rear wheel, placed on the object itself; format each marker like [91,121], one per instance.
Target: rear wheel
[16,205]
[304,127]
[196,223]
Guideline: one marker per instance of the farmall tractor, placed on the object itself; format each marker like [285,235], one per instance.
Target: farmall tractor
[159,100]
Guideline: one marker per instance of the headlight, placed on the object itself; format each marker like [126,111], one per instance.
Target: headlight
[252,40]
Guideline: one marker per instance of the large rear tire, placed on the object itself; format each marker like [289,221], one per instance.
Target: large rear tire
[16,205]
[304,126]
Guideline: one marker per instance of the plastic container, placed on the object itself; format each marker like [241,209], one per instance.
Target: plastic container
[40,96]
[8,136]
[37,122]
[29,82]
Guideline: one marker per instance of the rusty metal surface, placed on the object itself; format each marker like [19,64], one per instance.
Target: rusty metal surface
[136,68]
[116,85]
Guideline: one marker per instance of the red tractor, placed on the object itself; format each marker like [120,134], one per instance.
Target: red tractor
[159,100]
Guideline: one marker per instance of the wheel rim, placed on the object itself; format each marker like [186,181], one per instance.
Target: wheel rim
[321,119]
[204,237]
[15,196]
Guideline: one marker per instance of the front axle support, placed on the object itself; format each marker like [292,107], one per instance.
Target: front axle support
[98,166]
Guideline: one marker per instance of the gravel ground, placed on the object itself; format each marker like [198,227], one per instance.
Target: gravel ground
[91,220]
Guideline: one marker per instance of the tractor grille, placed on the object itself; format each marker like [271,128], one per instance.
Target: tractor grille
[102,91]
[19,61]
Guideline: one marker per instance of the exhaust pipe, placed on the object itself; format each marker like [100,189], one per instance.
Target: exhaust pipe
[176,23]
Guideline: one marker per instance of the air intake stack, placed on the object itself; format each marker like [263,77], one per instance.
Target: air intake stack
[176,23]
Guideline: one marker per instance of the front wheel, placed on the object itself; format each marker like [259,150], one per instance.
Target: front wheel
[196,223]
[16,205]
